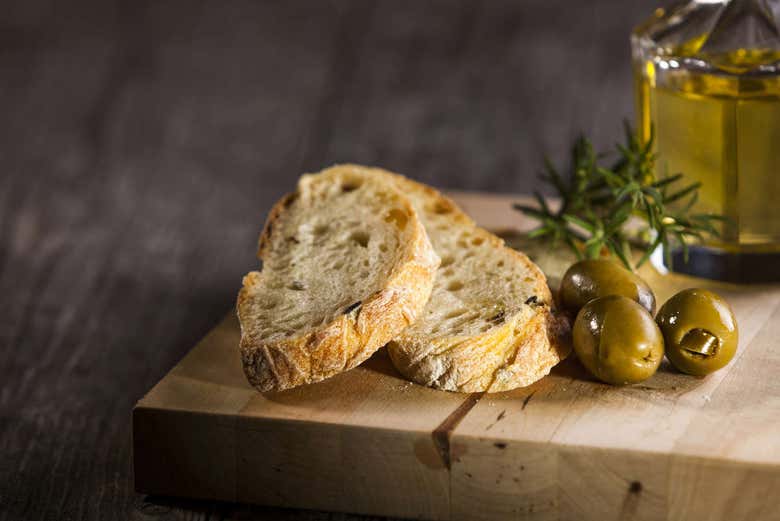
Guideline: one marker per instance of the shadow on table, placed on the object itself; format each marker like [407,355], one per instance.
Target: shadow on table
[171,507]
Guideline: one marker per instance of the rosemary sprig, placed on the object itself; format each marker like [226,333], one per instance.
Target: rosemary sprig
[597,203]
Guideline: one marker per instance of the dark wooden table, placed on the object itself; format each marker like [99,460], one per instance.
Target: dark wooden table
[141,144]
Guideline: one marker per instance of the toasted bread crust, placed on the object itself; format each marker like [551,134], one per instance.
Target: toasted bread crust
[350,338]
[500,360]
[264,242]
[514,355]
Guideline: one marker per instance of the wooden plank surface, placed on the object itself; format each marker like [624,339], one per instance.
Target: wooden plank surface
[567,447]
[316,442]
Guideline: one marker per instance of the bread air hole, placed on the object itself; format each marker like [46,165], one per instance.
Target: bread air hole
[296,286]
[442,208]
[454,313]
[361,238]
[476,241]
[320,229]
[383,247]
[350,186]
[338,265]
[454,285]
[446,261]
[449,272]
[397,216]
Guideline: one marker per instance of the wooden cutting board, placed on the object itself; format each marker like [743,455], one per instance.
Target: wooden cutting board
[567,447]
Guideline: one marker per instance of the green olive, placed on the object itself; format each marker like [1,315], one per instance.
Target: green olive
[589,279]
[700,331]
[617,340]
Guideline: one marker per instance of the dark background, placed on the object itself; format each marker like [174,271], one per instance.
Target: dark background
[141,144]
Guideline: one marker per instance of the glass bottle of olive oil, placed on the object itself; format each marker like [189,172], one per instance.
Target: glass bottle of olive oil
[707,83]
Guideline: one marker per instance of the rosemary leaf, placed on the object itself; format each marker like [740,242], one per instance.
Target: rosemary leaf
[598,202]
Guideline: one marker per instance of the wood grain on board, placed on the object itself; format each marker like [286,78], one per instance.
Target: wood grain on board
[566,447]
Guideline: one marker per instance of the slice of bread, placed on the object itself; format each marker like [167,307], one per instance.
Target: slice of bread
[489,325]
[347,266]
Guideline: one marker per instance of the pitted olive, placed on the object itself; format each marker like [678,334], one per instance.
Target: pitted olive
[699,330]
[617,340]
[590,279]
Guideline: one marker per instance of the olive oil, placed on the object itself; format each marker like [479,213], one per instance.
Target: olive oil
[707,87]
[723,130]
